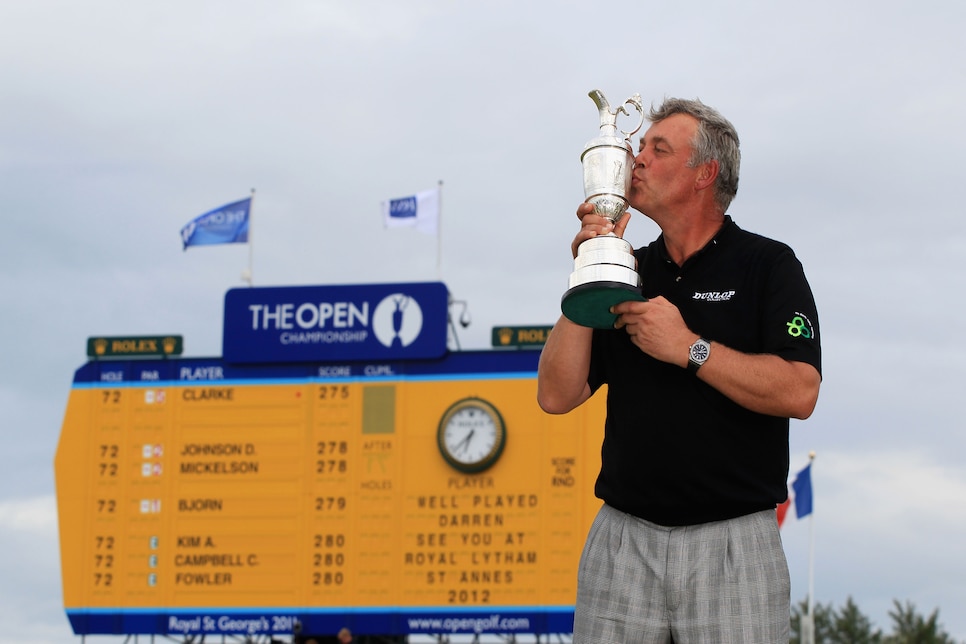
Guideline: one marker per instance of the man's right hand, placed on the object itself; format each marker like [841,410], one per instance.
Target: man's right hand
[593,225]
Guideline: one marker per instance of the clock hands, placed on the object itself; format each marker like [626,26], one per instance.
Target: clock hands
[464,444]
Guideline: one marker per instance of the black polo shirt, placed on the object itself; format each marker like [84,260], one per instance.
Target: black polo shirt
[675,451]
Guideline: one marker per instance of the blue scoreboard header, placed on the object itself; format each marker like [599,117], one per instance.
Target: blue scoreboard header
[325,323]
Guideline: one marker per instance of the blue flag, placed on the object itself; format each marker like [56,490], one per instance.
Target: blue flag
[225,225]
[803,492]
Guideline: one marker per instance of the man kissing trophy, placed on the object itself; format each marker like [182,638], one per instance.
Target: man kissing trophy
[605,270]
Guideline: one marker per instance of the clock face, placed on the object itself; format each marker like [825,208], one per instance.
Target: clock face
[471,435]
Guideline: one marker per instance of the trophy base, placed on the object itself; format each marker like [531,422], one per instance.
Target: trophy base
[589,304]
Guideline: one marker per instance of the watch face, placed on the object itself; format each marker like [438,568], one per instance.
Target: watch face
[700,351]
[471,435]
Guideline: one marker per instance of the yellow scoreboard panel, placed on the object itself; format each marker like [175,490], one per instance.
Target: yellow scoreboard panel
[196,497]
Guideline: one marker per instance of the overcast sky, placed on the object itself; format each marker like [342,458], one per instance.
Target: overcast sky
[120,121]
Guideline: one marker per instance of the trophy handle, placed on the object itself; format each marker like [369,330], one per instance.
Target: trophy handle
[608,118]
[634,100]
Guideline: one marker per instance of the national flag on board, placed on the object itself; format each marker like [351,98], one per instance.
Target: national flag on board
[802,489]
[420,210]
[227,224]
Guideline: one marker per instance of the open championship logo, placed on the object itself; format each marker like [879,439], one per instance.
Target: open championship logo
[397,320]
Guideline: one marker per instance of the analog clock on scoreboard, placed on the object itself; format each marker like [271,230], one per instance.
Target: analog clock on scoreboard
[471,435]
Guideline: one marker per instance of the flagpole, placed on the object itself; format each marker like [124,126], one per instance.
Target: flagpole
[811,546]
[250,276]
[439,232]
[809,632]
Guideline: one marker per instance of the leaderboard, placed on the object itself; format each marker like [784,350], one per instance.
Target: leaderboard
[431,496]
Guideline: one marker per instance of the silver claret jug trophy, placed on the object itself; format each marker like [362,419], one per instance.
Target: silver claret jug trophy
[605,270]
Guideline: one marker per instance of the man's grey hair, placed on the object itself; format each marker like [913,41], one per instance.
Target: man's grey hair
[715,139]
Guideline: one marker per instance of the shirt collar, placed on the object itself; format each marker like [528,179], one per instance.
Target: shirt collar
[728,228]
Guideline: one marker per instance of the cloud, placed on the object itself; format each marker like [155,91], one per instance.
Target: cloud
[28,518]
[30,592]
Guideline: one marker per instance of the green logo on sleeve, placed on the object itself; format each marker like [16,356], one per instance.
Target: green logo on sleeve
[800,327]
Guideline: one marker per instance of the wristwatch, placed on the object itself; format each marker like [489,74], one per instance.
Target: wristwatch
[698,354]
